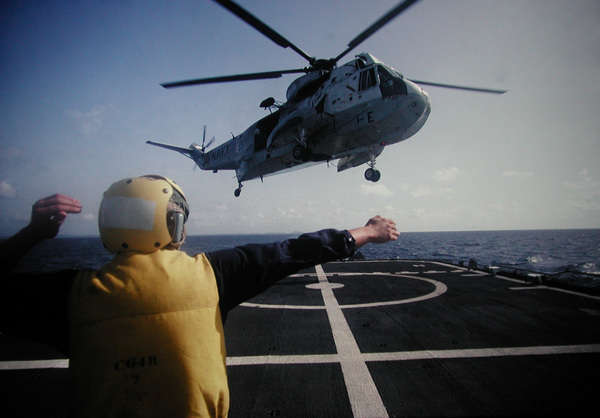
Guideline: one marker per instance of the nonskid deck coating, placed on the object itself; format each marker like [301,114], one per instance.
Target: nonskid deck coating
[385,338]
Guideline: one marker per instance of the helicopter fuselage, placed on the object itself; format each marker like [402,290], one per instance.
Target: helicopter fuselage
[355,111]
[350,113]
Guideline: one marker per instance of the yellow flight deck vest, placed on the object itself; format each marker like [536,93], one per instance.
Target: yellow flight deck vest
[147,338]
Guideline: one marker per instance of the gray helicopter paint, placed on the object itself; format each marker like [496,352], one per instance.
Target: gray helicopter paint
[352,111]
[353,124]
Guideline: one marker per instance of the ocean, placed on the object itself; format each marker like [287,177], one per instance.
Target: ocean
[543,251]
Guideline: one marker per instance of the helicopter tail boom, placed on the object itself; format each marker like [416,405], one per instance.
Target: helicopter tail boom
[185,151]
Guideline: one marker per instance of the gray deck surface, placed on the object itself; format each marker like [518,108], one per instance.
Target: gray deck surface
[381,338]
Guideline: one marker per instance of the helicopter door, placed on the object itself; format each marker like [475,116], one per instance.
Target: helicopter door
[260,140]
[263,129]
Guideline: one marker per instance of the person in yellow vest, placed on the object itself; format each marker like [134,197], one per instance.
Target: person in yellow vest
[144,333]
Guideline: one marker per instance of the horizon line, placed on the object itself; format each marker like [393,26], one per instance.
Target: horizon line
[2,236]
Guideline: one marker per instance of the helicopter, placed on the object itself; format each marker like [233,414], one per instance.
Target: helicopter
[348,113]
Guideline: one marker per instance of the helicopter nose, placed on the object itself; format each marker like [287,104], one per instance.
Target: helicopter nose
[418,106]
[415,92]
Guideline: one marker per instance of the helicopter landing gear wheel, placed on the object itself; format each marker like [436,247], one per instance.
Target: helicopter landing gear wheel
[372,174]
[237,191]
[300,153]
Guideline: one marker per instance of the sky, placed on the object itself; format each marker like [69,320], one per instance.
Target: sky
[80,96]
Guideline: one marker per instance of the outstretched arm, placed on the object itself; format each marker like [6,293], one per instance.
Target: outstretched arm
[247,270]
[47,215]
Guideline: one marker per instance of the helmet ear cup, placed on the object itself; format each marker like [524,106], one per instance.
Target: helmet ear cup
[175,222]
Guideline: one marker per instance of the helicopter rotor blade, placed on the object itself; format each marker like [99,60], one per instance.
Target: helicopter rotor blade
[376,26]
[228,78]
[210,141]
[204,146]
[262,27]
[454,86]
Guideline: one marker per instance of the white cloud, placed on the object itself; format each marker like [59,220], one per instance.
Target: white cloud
[420,212]
[421,191]
[89,122]
[375,189]
[446,175]
[586,204]
[583,181]
[7,190]
[585,191]
[290,213]
[514,173]
[585,175]
[571,185]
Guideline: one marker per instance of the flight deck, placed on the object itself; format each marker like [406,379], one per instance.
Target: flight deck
[380,338]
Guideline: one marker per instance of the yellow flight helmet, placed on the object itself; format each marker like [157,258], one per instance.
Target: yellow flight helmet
[134,212]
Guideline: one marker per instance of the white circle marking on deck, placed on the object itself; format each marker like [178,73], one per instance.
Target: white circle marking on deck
[439,289]
[319,286]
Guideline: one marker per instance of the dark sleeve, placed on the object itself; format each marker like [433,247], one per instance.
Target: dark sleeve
[36,307]
[245,271]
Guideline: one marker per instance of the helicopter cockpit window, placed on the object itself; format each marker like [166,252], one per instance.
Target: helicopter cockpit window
[367,79]
[390,82]
[360,62]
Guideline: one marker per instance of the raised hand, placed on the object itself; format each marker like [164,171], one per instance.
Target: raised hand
[48,214]
[382,229]
[377,229]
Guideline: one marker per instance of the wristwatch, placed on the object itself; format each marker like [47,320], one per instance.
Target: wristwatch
[350,242]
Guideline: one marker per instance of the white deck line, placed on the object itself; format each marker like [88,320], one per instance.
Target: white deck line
[439,263]
[556,289]
[483,352]
[283,359]
[335,358]
[510,279]
[269,306]
[34,364]
[364,397]
[420,355]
